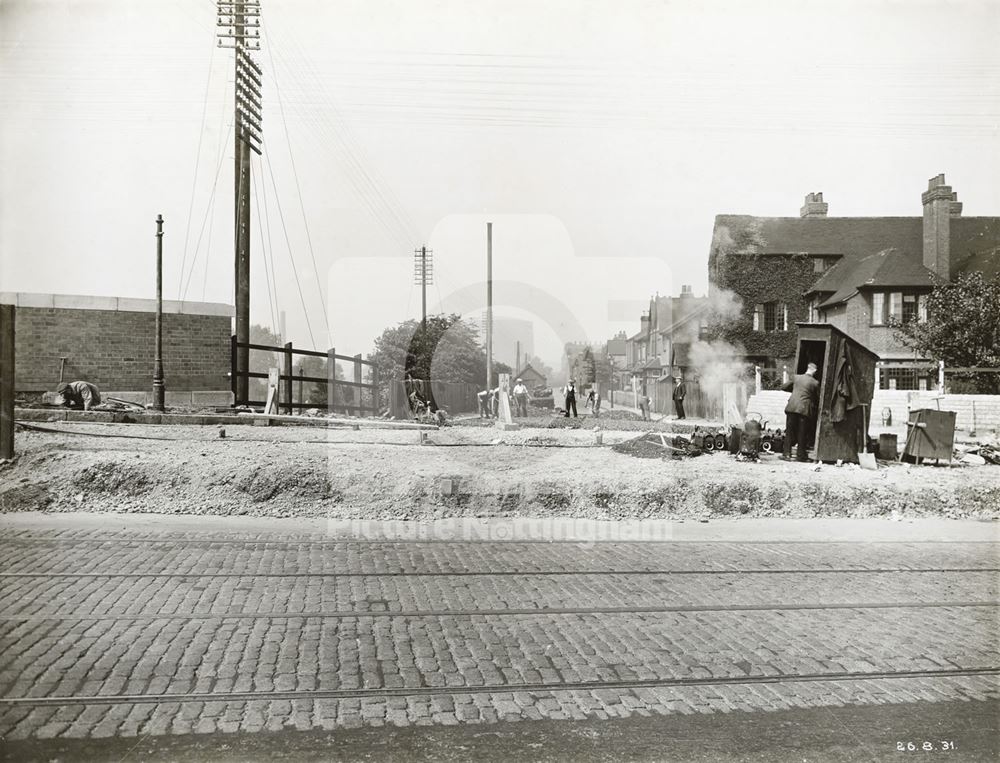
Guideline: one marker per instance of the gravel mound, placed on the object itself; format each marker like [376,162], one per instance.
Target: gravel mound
[389,475]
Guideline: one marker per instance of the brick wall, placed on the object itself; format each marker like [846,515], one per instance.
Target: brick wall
[114,348]
[986,416]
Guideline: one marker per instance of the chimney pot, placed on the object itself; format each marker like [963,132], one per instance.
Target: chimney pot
[940,205]
[814,206]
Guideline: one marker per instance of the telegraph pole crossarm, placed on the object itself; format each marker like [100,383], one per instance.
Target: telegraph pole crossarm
[238,24]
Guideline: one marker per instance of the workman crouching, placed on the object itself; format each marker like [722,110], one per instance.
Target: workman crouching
[78,394]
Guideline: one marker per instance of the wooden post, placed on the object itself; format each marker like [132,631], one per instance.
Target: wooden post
[375,396]
[301,374]
[756,378]
[489,305]
[288,379]
[331,379]
[503,412]
[7,381]
[357,390]
[940,377]
[233,373]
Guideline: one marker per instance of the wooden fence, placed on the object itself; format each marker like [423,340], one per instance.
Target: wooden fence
[453,397]
[356,397]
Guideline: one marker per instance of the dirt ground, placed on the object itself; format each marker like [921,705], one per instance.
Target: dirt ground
[468,470]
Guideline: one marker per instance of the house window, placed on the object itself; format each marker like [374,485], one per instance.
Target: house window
[898,305]
[878,308]
[770,316]
[819,264]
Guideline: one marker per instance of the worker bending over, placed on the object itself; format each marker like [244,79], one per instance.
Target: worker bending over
[78,394]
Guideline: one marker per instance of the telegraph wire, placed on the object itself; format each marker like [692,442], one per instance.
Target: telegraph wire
[269,262]
[298,187]
[291,256]
[263,252]
[197,163]
[215,187]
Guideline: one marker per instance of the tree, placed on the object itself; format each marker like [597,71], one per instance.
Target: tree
[962,329]
[447,350]
[315,393]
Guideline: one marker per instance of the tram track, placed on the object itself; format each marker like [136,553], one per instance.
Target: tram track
[497,573]
[549,686]
[506,612]
[471,541]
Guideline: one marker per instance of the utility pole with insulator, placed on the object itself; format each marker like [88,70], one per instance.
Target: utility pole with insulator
[239,28]
[423,274]
[489,305]
[158,383]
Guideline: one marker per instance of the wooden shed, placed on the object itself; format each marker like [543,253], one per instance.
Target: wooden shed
[846,373]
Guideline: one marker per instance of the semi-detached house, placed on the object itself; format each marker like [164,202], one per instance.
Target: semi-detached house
[853,272]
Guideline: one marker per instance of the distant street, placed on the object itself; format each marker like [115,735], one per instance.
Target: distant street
[168,643]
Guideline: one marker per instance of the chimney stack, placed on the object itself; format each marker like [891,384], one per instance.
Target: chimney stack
[940,205]
[686,292]
[814,206]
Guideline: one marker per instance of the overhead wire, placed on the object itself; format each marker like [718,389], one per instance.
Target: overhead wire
[215,187]
[197,164]
[269,261]
[291,256]
[380,201]
[208,246]
[263,253]
[298,186]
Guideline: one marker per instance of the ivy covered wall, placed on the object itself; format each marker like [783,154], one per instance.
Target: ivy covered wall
[736,264]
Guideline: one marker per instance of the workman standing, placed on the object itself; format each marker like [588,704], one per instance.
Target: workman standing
[484,404]
[680,390]
[569,391]
[800,413]
[520,398]
[78,394]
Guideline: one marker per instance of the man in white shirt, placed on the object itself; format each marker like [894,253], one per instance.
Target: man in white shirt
[520,399]
[570,393]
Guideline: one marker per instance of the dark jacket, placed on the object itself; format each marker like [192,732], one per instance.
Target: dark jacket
[679,391]
[805,395]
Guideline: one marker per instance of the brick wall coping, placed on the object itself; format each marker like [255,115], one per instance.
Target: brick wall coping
[119,304]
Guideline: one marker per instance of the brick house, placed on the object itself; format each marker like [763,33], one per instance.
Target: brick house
[615,350]
[659,350]
[853,272]
[532,379]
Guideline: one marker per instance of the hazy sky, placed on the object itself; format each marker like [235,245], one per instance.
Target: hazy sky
[601,138]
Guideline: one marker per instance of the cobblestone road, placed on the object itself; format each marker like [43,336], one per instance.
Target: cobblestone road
[119,634]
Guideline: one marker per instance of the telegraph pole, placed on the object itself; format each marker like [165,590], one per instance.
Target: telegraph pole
[489,305]
[158,384]
[423,274]
[239,28]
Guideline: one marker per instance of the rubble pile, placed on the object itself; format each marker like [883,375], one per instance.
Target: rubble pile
[656,445]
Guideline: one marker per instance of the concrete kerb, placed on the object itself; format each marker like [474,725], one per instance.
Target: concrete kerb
[524,529]
[50,415]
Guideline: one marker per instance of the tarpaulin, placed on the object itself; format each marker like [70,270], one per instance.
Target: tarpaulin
[845,394]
